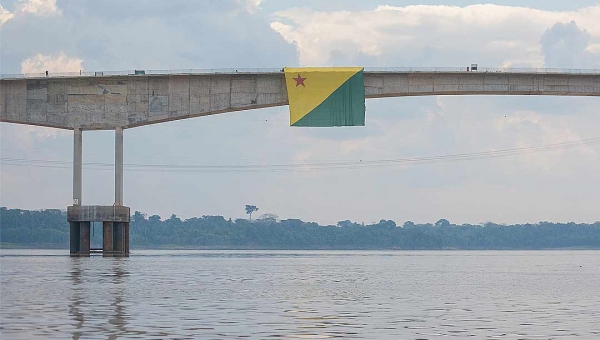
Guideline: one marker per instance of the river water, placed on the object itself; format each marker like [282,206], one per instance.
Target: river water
[301,294]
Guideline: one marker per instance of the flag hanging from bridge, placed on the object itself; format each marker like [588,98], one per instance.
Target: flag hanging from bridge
[326,96]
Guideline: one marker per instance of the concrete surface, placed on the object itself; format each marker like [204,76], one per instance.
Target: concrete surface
[110,102]
[118,166]
[97,213]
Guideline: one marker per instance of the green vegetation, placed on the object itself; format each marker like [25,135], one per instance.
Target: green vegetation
[49,228]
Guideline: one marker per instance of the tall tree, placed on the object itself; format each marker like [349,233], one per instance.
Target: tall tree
[250,209]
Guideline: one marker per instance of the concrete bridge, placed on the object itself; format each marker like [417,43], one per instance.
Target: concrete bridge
[121,100]
[90,102]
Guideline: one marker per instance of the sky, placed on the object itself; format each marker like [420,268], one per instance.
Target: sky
[560,184]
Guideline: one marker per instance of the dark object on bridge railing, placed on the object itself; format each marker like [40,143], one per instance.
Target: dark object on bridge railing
[139,72]
[98,74]
[473,67]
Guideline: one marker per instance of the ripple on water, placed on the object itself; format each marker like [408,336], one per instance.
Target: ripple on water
[301,294]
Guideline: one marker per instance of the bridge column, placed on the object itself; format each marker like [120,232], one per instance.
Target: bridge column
[118,166]
[79,235]
[107,238]
[120,230]
[84,239]
[77,165]
[114,218]
[74,238]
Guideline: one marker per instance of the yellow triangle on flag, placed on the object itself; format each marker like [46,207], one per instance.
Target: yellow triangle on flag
[310,86]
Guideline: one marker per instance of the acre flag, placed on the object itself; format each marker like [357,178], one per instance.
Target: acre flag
[326,96]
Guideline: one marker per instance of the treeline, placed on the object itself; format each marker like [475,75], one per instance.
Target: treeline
[49,228]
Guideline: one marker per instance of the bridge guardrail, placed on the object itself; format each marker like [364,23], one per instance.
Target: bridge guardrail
[276,70]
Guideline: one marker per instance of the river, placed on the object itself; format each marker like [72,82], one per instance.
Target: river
[170,294]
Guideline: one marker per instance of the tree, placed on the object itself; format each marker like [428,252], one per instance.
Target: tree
[387,223]
[268,218]
[346,224]
[409,224]
[442,223]
[250,209]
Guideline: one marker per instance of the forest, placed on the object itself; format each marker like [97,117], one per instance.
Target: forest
[50,229]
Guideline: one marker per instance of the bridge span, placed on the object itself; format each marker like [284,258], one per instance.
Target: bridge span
[105,101]
[121,100]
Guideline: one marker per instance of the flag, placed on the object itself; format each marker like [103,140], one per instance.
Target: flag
[327,96]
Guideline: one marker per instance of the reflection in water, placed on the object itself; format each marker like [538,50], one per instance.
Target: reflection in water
[119,318]
[76,298]
[302,294]
[111,284]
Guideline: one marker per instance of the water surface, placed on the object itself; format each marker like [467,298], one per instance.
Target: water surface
[301,294]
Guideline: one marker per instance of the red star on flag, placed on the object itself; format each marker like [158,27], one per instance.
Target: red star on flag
[299,80]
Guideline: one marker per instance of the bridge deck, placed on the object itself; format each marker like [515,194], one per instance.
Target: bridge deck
[124,99]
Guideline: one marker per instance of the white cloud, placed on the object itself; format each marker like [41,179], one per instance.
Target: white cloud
[566,45]
[510,35]
[35,7]
[38,7]
[594,48]
[40,63]
[251,5]
[5,15]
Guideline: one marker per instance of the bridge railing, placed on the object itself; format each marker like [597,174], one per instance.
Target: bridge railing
[276,70]
[140,72]
[480,70]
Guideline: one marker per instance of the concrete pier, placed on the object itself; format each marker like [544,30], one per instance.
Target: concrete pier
[115,239]
[80,238]
[107,237]
[115,218]
[115,223]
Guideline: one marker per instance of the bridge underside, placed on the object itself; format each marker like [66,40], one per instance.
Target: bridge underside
[90,103]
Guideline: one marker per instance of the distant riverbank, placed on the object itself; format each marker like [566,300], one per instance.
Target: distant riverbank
[48,229]
[168,247]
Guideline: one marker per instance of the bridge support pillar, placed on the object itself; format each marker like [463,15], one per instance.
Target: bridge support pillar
[77,166]
[107,238]
[118,166]
[115,239]
[79,238]
[114,218]
[115,233]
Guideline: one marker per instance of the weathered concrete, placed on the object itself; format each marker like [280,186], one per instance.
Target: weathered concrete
[115,224]
[129,101]
[80,238]
[115,242]
[107,237]
[74,236]
[84,239]
[97,213]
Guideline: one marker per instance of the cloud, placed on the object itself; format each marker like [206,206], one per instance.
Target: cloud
[38,7]
[566,45]
[35,7]
[436,35]
[140,34]
[40,63]
[5,15]
[251,5]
